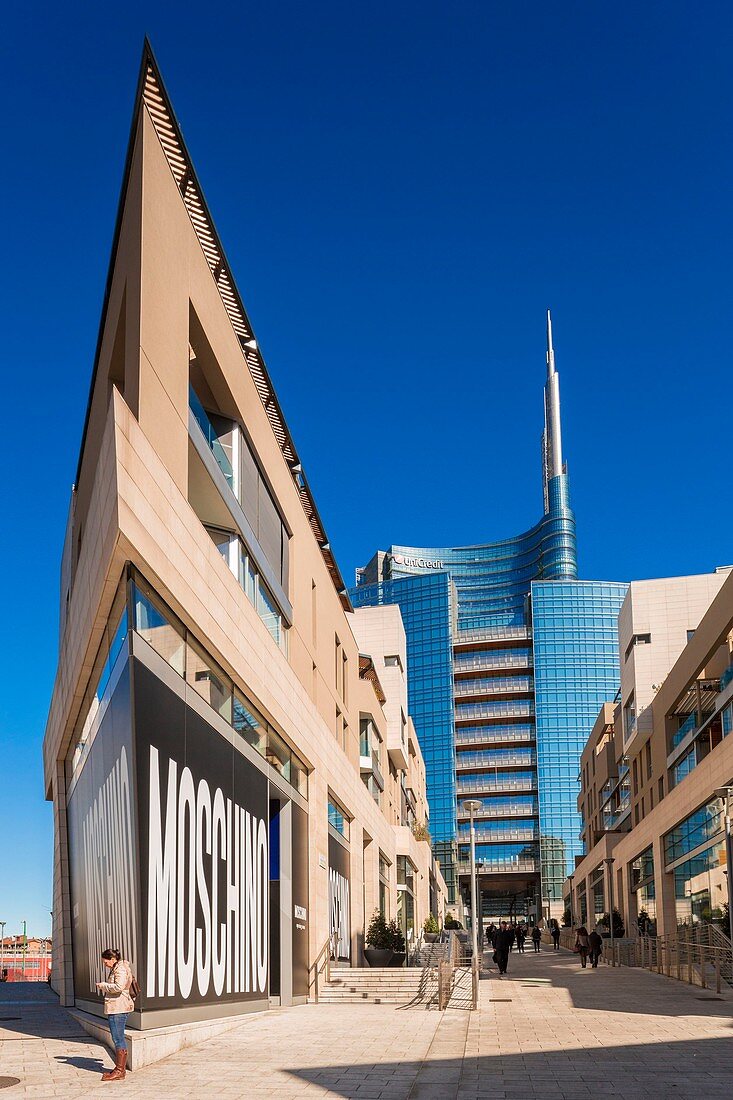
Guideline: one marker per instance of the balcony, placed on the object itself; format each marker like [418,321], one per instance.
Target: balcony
[369,765]
[490,662]
[497,836]
[512,809]
[213,438]
[475,786]
[499,866]
[512,708]
[485,735]
[494,686]
[492,634]
[518,758]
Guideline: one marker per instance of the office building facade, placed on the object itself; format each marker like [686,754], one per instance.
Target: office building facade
[654,761]
[215,817]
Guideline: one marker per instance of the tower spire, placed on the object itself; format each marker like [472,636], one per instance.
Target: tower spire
[552,438]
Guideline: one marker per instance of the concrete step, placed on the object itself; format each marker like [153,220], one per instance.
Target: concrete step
[388,985]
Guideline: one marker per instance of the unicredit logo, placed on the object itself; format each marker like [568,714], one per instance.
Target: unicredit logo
[420,563]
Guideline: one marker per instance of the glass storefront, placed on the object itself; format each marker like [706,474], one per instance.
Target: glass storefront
[406,899]
[598,895]
[641,883]
[701,888]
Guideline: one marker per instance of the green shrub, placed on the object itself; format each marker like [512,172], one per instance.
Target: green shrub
[430,924]
[378,933]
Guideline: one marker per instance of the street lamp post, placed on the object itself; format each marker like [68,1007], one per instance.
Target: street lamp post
[2,944]
[572,916]
[609,863]
[472,805]
[726,793]
[25,944]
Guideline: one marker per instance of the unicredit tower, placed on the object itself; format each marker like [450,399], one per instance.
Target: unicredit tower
[485,680]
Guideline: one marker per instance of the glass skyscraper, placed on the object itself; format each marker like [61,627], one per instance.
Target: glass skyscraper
[489,750]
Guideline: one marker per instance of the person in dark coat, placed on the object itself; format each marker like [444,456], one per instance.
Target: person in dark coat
[502,947]
[521,937]
[595,944]
[536,937]
[555,932]
[582,945]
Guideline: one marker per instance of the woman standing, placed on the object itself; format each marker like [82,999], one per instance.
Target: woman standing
[582,944]
[536,937]
[117,1004]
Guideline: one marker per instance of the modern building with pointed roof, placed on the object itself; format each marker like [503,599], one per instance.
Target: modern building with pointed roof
[233,795]
[485,679]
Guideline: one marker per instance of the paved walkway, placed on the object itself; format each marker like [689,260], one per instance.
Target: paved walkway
[547,1030]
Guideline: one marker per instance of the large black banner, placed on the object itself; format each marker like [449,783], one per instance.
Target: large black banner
[102,847]
[339,897]
[204,866]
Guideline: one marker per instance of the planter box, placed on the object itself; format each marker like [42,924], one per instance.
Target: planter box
[376,956]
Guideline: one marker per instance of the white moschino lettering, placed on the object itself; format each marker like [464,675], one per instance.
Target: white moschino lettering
[109,870]
[339,899]
[195,930]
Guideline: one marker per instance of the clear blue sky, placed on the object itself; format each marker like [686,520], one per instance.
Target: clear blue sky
[402,190]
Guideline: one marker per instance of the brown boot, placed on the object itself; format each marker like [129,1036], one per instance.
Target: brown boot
[118,1073]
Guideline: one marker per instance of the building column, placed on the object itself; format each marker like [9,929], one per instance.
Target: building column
[664,888]
[62,975]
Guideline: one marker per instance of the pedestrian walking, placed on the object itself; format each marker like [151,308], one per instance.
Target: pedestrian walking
[536,937]
[582,944]
[521,937]
[595,948]
[118,1003]
[502,947]
[555,932]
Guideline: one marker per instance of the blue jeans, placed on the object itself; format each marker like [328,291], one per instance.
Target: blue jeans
[117,1021]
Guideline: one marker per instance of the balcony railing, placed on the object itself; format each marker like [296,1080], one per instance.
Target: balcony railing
[499,866]
[492,634]
[211,436]
[491,786]
[690,723]
[494,685]
[511,708]
[489,836]
[490,813]
[519,758]
[489,662]
[497,736]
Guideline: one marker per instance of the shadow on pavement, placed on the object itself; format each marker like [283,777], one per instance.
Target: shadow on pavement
[610,989]
[31,1010]
[686,1070]
[94,1065]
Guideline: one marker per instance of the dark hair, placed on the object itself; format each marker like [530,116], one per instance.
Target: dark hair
[112,953]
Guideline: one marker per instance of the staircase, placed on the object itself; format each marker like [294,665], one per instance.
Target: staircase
[412,987]
[429,954]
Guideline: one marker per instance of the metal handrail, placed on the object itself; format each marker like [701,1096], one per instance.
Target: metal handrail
[681,956]
[318,967]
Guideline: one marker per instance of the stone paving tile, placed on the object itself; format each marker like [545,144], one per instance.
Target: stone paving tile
[548,1030]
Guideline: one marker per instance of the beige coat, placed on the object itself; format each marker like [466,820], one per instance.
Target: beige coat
[116,992]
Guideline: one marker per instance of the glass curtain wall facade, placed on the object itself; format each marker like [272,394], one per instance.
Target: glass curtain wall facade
[576,670]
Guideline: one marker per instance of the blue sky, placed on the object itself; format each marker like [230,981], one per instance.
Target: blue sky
[402,190]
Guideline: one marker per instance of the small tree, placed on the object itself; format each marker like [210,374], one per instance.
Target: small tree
[618,923]
[378,933]
[420,831]
[430,924]
[566,919]
[396,938]
[451,922]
